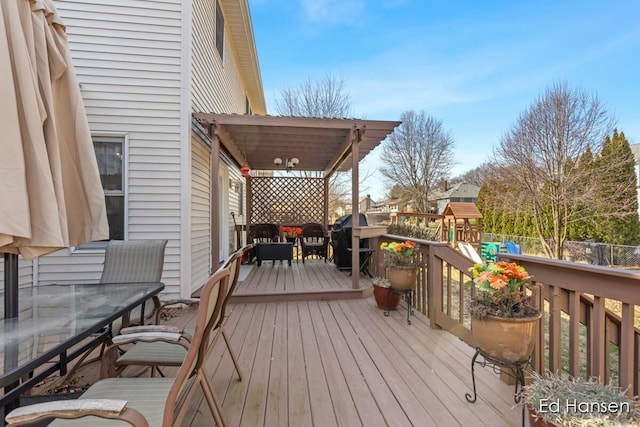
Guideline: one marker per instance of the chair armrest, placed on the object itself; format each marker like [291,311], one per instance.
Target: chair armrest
[150,328]
[71,409]
[146,337]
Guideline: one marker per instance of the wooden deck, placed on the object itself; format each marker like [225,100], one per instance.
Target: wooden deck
[330,362]
[312,280]
[342,362]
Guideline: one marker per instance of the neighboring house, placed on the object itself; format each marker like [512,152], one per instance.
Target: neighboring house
[461,192]
[144,67]
[392,205]
[366,203]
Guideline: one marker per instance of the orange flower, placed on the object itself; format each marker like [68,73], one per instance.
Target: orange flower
[498,283]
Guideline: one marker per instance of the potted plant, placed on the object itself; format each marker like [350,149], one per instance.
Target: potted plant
[502,321]
[401,262]
[556,401]
[385,298]
[291,233]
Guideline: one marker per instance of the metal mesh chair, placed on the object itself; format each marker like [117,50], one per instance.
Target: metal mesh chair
[147,401]
[134,261]
[161,353]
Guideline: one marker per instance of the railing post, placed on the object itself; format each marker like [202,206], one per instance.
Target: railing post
[434,287]
[598,326]
[538,355]
[627,345]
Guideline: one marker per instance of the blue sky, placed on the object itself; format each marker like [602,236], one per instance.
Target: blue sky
[475,65]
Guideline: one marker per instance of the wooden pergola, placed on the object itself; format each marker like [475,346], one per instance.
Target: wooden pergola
[320,144]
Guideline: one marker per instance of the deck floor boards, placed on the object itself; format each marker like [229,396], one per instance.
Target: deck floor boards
[328,363]
[342,362]
[313,275]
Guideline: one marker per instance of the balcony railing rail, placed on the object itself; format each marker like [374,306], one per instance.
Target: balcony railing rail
[588,327]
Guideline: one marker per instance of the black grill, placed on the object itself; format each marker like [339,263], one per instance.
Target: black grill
[341,240]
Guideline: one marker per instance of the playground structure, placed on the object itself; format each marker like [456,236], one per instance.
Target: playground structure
[459,222]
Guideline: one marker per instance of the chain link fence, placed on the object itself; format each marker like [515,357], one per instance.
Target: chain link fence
[590,252]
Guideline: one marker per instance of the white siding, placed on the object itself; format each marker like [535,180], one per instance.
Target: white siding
[25,272]
[200,212]
[127,56]
[216,85]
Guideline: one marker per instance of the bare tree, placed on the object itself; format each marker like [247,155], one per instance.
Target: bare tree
[417,156]
[326,98]
[322,98]
[540,159]
[475,176]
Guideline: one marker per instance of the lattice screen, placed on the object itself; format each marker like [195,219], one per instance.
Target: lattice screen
[287,200]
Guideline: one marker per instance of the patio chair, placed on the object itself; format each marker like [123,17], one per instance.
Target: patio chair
[264,233]
[166,353]
[134,261]
[314,241]
[128,261]
[146,401]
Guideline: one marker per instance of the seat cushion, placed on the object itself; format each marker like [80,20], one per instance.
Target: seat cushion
[147,395]
[154,353]
[314,244]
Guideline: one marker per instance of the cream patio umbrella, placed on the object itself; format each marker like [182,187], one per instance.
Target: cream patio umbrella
[50,191]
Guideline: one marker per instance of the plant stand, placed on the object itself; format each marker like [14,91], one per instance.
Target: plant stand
[408,296]
[499,368]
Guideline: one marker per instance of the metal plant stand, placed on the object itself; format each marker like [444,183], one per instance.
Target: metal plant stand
[514,370]
[408,297]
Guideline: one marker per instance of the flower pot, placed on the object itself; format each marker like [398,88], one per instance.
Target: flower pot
[385,299]
[402,278]
[504,338]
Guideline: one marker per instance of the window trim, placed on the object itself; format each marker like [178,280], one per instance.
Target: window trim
[219,30]
[98,247]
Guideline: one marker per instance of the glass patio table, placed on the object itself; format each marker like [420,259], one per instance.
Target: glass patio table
[52,321]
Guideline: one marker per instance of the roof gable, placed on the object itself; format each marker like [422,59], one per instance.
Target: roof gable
[462,210]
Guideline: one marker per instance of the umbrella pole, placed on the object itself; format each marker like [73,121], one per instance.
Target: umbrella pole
[10,286]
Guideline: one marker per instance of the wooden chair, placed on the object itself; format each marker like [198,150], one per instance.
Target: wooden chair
[314,241]
[146,401]
[161,353]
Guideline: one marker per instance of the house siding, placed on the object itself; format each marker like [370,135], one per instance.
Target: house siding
[200,212]
[127,56]
[216,86]
[143,67]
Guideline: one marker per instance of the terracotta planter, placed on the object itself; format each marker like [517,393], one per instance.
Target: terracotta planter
[385,299]
[402,278]
[505,339]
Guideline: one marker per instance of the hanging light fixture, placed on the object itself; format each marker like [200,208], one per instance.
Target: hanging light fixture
[289,163]
[245,171]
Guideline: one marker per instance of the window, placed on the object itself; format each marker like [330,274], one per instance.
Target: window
[219,30]
[109,153]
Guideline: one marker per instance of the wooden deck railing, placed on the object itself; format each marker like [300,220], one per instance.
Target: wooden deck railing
[589,311]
